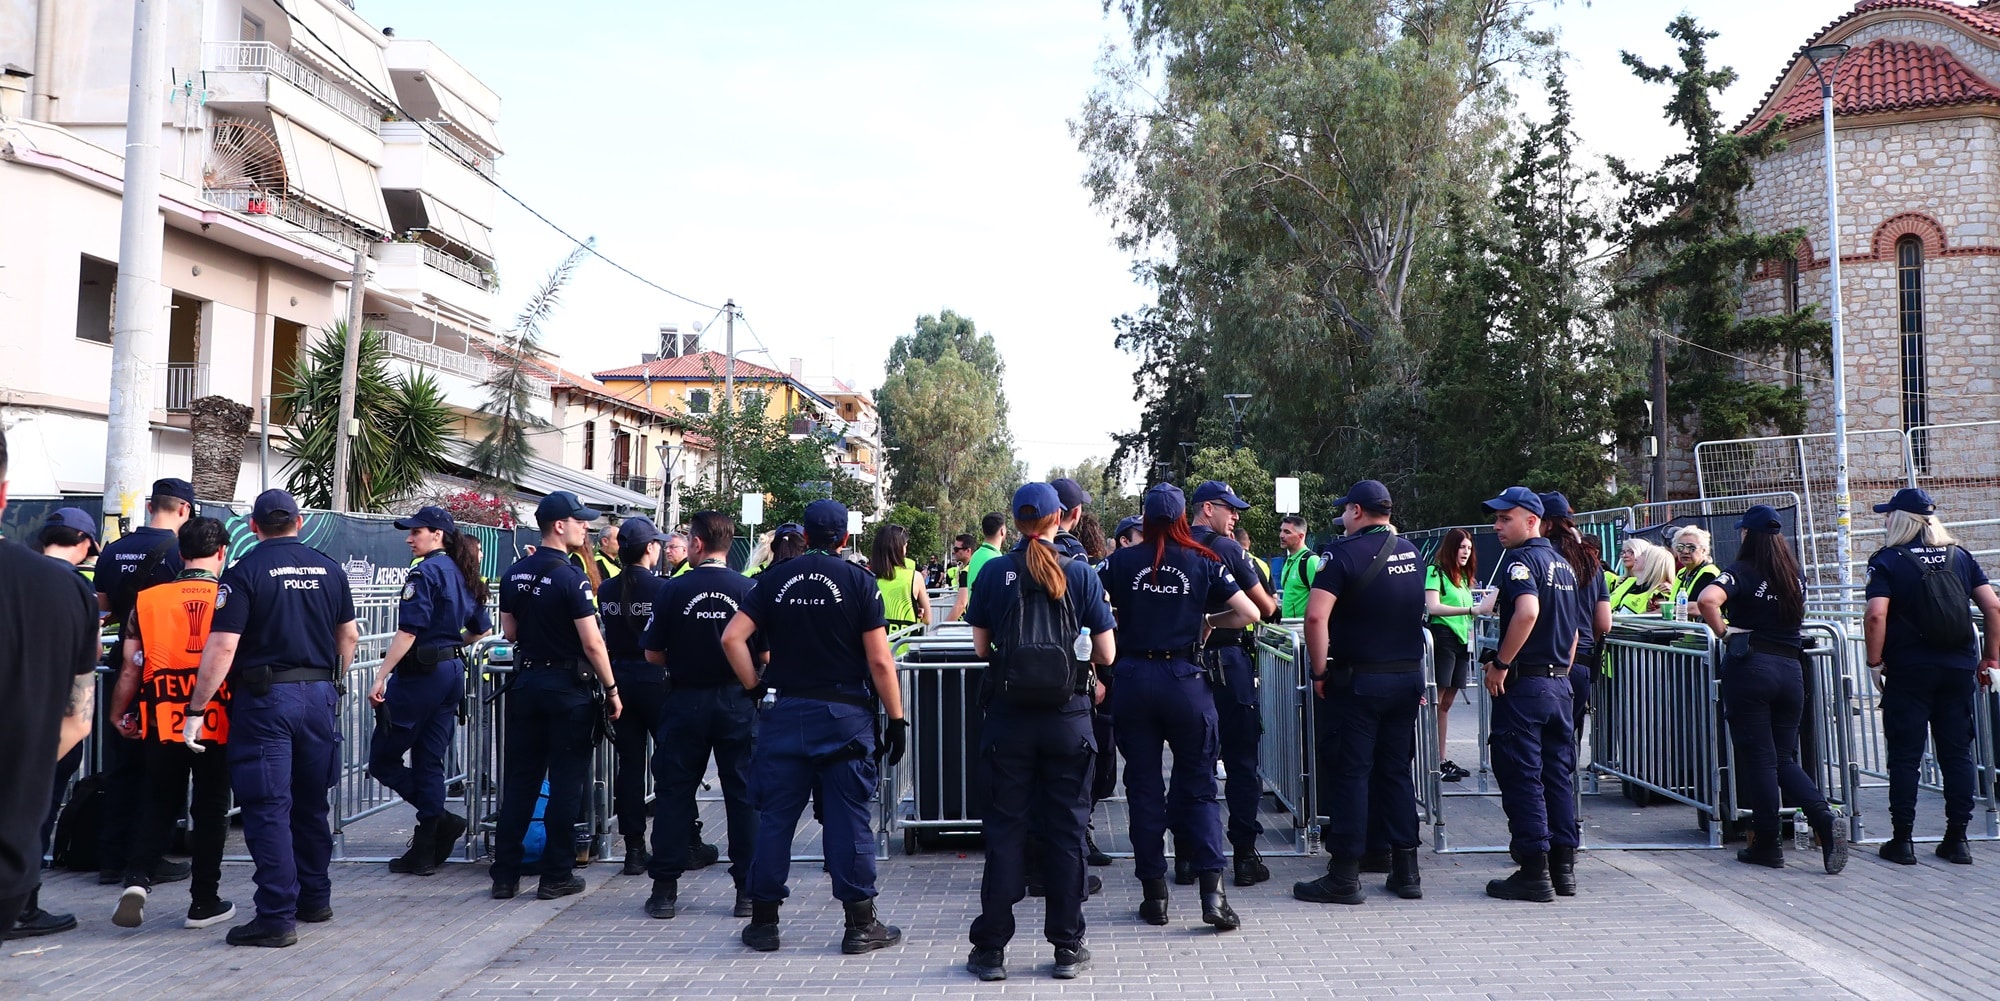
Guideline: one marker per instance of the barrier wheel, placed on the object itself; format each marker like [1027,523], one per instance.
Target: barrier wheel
[912,845]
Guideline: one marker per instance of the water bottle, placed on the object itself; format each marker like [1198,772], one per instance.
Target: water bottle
[1681,607]
[1802,834]
[1082,647]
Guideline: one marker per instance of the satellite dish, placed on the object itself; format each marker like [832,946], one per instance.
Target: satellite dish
[698,325]
[244,156]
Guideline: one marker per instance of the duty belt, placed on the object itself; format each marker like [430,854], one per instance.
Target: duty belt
[1186,653]
[1235,637]
[1540,671]
[1384,666]
[283,675]
[1776,649]
[843,696]
[545,664]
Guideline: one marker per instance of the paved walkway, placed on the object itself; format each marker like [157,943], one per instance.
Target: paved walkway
[1647,925]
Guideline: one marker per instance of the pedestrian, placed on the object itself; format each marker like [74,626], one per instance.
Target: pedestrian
[283,636]
[1295,575]
[1168,592]
[830,668]
[903,598]
[1694,567]
[961,551]
[992,535]
[1534,744]
[1037,742]
[1448,601]
[1592,598]
[1763,596]
[1925,655]
[562,687]
[48,655]
[676,558]
[163,645]
[706,713]
[1131,531]
[1213,511]
[606,556]
[69,536]
[625,604]
[1091,534]
[1649,583]
[1364,632]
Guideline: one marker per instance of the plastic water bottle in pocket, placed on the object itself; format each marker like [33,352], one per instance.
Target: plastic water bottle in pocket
[1082,647]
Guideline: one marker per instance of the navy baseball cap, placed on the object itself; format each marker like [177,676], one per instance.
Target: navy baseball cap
[790,528]
[1761,519]
[174,486]
[1514,497]
[74,518]
[635,532]
[825,519]
[1128,523]
[1911,499]
[1165,501]
[1069,492]
[1213,490]
[559,505]
[1035,501]
[1370,494]
[430,516]
[1554,505]
[274,501]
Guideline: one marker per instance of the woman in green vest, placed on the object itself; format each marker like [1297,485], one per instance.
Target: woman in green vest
[1691,557]
[1648,580]
[902,590]
[1448,601]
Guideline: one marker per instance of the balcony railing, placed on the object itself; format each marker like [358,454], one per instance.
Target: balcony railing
[481,162]
[463,270]
[264,57]
[408,348]
[288,209]
[186,382]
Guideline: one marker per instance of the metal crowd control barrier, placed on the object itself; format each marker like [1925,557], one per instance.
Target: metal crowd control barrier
[1285,754]
[942,601]
[939,787]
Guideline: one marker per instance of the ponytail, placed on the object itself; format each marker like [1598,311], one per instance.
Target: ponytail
[1043,563]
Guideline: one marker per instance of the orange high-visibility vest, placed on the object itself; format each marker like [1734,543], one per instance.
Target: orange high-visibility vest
[173,623]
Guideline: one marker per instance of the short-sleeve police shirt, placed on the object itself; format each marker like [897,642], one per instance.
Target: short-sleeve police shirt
[625,603]
[546,594]
[285,599]
[1750,603]
[1241,565]
[985,609]
[689,615]
[1161,608]
[1384,621]
[437,606]
[1590,590]
[1892,575]
[118,567]
[813,611]
[1534,567]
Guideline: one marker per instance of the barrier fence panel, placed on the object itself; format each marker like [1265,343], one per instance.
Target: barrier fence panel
[1285,754]
[940,786]
[1662,718]
[942,600]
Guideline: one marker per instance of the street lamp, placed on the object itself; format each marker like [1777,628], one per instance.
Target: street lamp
[670,465]
[1825,60]
[1236,402]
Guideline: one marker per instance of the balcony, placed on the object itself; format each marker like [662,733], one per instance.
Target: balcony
[267,59]
[185,383]
[463,270]
[270,210]
[474,367]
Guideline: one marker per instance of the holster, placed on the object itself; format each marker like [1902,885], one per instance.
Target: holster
[256,680]
[1211,667]
[1339,675]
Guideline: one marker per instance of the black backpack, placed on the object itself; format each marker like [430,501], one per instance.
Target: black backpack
[74,846]
[1034,660]
[1943,611]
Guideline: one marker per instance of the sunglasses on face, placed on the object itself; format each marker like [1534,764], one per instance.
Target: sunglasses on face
[1685,547]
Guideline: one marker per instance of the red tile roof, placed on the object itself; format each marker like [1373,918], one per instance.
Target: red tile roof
[1886,75]
[1982,18]
[700,367]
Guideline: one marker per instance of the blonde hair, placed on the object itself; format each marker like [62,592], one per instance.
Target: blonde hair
[1656,565]
[1905,527]
[1703,542]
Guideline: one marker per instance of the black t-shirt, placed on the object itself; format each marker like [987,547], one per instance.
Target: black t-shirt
[1160,608]
[1894,576]
[1751,604]
[1534,567]
[625,603]
[118,565]
[1383,622]
[813,610]
[1590,589]
[285,599]
[1241,566]
[546,594]
[689,615]
[48,636]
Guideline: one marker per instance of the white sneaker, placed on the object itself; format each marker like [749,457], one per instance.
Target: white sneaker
[131,908]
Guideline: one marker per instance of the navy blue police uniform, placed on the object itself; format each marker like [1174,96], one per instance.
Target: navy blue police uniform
[426,692]
[287,602]
[1926,689]
[1104,776]
[1590,590]
[706,713]
[1373,682]
[1039,761]
[625,602]
[1533,737]
[814,611]
[1236,702]
[550,707]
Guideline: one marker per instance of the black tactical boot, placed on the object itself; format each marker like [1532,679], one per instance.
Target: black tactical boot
[1381,861]
[1183,872]
[1832,843]
[636,857]
[761,933]
[1898,849]
[421,858]
[1763,849]
[865,932]
[1404,880]
[1250,867]
[450,828]
[666,893]
[1093,854]
[701,854]
[1530,882]
[1215,909]
[1953,848]
[1340,885]
[1153,905]
[1562,871]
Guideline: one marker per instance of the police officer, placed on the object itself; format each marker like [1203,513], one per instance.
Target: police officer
[1763,686]
[1364,634]
[830,668]
[552,711]
[1039,759]
[1104,779]
[1073,497]
[1214,508]
[1592,596]
[283,636]
[1168,591]
[705,712]
[625,602]
[419,689]
[1925,654]
[1131,529]
[1534,744]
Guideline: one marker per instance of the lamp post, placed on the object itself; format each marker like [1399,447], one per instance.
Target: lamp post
[1236,403]
[1825,59]
[670,470]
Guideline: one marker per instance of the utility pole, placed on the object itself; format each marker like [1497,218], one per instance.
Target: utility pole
[1659,485]
[343,440]
[136,339]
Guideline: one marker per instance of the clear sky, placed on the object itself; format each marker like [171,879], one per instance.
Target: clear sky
[840,168]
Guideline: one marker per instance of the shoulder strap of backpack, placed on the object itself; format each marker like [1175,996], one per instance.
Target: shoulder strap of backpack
[1381,560]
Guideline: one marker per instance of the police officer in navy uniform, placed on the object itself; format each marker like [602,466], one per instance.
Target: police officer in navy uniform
[1104,781]
[1213,510]
[830,668]
[1534,743]
[1925,673]
[706,713]
[625,602]
[1169,591]
[1039,760]
[1364,633]
[283,635]
[419,689]
[560,663]
[1593,597]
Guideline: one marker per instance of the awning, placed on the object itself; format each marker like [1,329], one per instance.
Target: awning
[543,478]
[339,39]
[453,225]
[461,114]
[330,175]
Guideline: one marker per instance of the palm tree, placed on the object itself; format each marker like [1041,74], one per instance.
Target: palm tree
[405,423]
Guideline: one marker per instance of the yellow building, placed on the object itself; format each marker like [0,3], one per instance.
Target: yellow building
[694,384]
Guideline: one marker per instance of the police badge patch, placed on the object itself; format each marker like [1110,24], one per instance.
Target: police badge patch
[1520,571]
[221,596]
[409,590]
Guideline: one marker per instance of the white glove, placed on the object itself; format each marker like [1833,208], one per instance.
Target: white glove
[191,732]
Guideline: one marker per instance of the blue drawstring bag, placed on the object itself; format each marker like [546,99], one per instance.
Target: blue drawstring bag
[537,838]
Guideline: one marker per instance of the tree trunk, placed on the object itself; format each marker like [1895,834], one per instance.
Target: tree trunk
[220,425]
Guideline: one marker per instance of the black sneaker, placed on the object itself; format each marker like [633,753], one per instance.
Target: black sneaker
[203,913]
[666,894]
[701,855]
[1450,771]
[131,912]
[743,908]
[1092,854]
[262,936]
[1899,851]
[506,889]
[1070,962]
[316,915]
[560,888]
[38,922]
[637,858]
[987,964]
